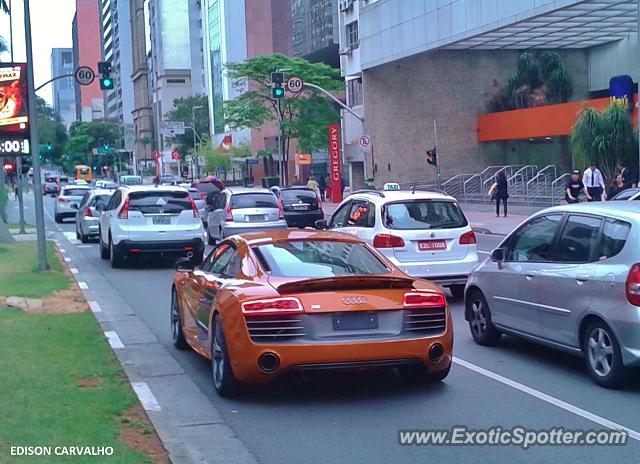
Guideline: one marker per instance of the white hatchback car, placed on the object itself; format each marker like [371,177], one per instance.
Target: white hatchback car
[146,219]
[425,234]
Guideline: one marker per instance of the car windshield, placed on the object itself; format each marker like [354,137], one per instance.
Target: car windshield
[74,192]
[254,200]
[101,200]
[159,202]
[51,179]
[195,195]
[298,196]
[320,258]
[207,187]
[424,214]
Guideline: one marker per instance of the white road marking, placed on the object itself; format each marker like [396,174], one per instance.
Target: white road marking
[70,235]
[84,246]
[548,399]
[95,307]
[68,260]
[73,270]
[62,250]
[114,340]
[83,285]
[146,397]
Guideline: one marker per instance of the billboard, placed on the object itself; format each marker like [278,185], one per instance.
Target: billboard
[14,113]
[621,89]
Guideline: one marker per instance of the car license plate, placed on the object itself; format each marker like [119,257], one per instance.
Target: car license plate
[359,320]
[255,218]
[300,207]
[161,220]
[428,245]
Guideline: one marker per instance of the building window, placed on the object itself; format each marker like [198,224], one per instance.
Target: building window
[354,92]
[352,35]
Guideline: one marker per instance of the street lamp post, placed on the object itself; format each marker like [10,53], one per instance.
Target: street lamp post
[193,128]
[43,264]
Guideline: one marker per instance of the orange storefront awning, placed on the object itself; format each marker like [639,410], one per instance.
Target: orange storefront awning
[541,121]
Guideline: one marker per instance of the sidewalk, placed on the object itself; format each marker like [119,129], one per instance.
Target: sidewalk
[482,216]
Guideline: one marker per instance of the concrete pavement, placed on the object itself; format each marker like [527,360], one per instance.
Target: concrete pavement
[345,419]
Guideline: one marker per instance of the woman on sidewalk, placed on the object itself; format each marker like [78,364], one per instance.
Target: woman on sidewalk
[501,193]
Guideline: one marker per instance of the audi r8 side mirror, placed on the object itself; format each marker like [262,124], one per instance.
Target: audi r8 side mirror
[497,255]
[185,265]
[321,224]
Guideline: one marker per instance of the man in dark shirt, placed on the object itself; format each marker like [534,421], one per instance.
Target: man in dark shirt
[574,187]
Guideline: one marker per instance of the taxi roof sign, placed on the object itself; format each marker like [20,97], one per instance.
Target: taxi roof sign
[391,186]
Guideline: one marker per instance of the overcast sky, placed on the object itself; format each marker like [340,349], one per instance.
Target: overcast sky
[51,28]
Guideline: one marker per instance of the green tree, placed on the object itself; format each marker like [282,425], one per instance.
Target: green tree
[183,110]
[604,137]
[214,159]
[304,117]
[83,137]
[51,131]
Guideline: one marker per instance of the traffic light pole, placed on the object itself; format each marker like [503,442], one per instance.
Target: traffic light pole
[43,264]
[20,192]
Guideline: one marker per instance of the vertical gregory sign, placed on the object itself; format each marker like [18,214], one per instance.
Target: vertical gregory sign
[334,158]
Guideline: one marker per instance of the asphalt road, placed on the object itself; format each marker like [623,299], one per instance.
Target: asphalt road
[356,417]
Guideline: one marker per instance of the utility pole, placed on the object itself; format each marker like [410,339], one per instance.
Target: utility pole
[43,264]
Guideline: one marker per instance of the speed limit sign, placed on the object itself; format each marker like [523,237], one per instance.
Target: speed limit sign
[84,75]
[295,84]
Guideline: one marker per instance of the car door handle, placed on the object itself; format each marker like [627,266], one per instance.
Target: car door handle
[582,278]
[530,274]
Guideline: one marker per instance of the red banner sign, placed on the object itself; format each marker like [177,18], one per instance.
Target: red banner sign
[334,159]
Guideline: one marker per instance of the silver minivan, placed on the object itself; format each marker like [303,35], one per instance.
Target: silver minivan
[238,210]
[568,277]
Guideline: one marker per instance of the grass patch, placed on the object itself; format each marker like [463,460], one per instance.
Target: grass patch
[12,226]
[61,386]
[18,276]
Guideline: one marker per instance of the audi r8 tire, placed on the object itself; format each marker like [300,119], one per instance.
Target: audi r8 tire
[176,324]
[482,329]
[602,354]
[224,381]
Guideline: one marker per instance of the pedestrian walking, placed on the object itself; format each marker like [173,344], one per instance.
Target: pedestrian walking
[501,193]
[312,183]
[593,180]
[322,186]
[624,176]
[574,187]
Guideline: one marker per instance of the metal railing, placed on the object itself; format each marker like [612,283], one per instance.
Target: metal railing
[508,170]
[517,182]
[558,187]
[538,188]
[455,185]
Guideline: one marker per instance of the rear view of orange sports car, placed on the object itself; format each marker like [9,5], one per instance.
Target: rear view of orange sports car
[263,304]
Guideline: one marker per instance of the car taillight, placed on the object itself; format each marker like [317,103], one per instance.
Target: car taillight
[387,241]
[632,285]
[62,200]
[196,213]
[468,238]
[281,210]
[124,211]
[272,306]
[417,300]
[229,216]
[87,212]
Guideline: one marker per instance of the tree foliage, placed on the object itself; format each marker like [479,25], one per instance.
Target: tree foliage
[83,137]
[604,137]
[214,158]
[183,111]
[51,130]
[304,117]
[539,80]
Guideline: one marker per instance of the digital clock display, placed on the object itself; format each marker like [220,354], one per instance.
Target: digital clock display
[14,146]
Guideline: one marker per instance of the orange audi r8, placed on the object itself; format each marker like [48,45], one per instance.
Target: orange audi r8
[265,303]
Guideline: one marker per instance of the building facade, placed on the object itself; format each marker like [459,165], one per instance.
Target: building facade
[64,96]
[87,51]
[117,49]
[440,63]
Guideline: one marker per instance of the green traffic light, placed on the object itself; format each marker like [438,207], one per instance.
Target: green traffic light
[106,83]
[279,92]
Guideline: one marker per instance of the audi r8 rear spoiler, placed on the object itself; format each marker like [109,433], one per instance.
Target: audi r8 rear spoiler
[344,283]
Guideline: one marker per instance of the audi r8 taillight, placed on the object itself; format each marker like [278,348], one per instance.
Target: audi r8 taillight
[286,305]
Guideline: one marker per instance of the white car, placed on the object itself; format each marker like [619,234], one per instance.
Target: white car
[68,201]
[147,219]
[425,234]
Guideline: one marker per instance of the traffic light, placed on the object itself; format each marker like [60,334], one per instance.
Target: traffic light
[432,157]
[277,85]
[49,146]
[106,81]
[9,167]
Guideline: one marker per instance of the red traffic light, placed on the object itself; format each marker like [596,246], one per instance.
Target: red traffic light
[9,166]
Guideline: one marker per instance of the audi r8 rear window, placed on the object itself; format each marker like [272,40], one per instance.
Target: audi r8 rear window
[320,258]
[159,202]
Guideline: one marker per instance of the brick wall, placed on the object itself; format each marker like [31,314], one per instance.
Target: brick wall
[402,98]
